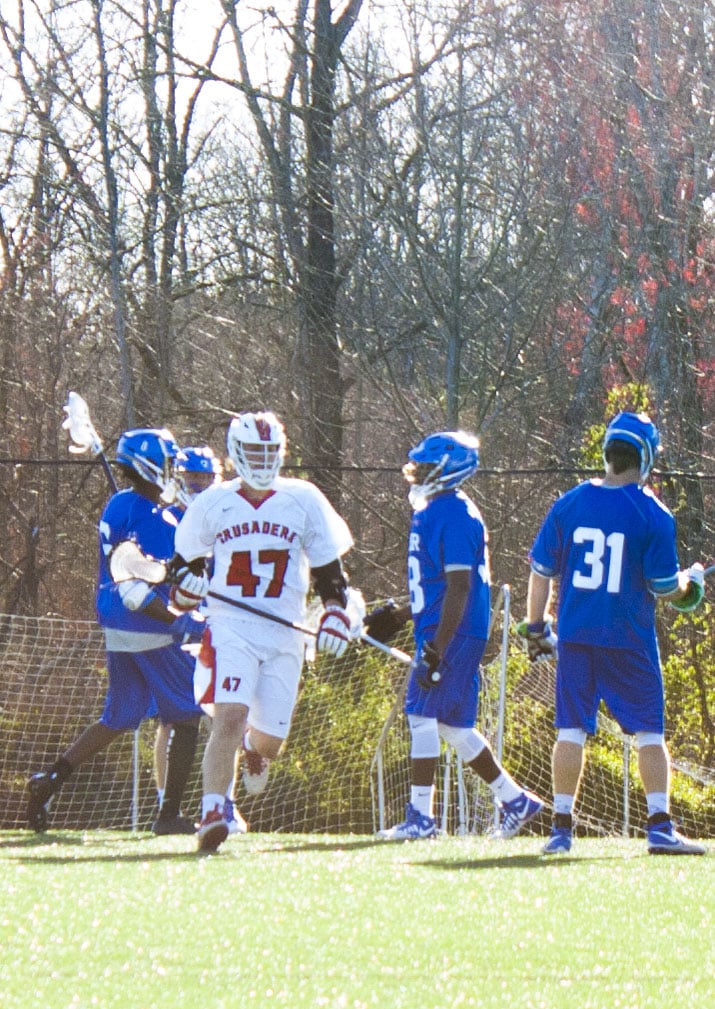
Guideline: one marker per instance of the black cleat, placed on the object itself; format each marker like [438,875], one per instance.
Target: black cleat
[172,825]
[41,787]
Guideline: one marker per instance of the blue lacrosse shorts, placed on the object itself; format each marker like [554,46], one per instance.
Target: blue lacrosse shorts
[165,675]
[629,682]
[455,699]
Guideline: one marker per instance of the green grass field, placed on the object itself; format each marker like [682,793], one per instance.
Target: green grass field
[112,920]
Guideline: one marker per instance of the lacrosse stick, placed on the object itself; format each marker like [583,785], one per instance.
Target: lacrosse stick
[356,610]
[128,561]
[83,434]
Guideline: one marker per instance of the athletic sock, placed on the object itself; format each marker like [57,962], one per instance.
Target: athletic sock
[657,802]
[210,802]
[505,789]
[422,798]
[563,803]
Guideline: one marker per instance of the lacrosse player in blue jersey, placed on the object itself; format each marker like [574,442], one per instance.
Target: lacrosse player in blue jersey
[449,584]
[611,544]
[143,636]
[196,467]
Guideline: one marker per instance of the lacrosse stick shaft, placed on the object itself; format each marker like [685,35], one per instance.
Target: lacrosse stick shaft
[396,653]
[108,472]
[262,613]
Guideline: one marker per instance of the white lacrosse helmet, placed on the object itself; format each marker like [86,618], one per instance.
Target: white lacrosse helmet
[256,445]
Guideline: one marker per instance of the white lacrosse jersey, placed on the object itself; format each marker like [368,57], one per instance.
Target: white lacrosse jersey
[262,552]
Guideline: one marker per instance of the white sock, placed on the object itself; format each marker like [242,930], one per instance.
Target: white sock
[563,803]
[211,801]
[657,802]
[160,796]
[505,788]
[422,798]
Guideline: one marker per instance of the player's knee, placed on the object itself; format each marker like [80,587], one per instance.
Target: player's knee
[650,739]
[576,736]
[468,743]
[424,737]
[229,721]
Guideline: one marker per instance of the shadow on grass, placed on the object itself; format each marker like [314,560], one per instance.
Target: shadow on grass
[503,862]
[29,848]
[79,847]
[25,843]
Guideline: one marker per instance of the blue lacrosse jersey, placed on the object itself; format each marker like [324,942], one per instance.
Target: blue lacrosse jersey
[128,515]
[448,531]
[611,548]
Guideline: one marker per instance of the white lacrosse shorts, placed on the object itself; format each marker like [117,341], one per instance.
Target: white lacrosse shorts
[262,672]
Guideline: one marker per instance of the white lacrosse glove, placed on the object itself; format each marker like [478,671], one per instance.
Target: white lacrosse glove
[135,594]
[695,591]
[189,591]
[333,631]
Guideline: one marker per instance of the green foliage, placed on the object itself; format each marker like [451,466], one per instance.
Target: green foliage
[342,707]
[689,677]
[632,397]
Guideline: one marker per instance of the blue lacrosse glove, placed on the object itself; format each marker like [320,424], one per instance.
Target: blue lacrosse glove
[187,628]
[541,640]
[426,666]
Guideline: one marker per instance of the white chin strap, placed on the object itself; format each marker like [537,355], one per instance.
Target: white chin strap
[258,481]
[419,495]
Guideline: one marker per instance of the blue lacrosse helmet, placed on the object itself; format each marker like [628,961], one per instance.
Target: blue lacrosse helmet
[442,461]
[636,429]
[151,453]
[196,467]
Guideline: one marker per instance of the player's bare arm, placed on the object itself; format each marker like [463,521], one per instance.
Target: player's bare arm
[538,598]
[459,581]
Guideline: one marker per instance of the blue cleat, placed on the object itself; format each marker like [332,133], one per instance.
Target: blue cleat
[663,839]
[559,843]
[518,812]
[416,827]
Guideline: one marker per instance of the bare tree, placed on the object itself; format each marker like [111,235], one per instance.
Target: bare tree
[307,101]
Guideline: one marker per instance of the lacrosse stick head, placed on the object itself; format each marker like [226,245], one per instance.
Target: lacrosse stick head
[79,426]
[356,609]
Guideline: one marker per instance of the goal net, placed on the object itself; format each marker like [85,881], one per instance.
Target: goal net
[345,768]
[516,710]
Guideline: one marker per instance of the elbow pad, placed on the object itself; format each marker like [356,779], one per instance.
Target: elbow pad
[329,582]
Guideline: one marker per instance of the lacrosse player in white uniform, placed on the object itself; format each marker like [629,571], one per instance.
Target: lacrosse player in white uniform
[269,538]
